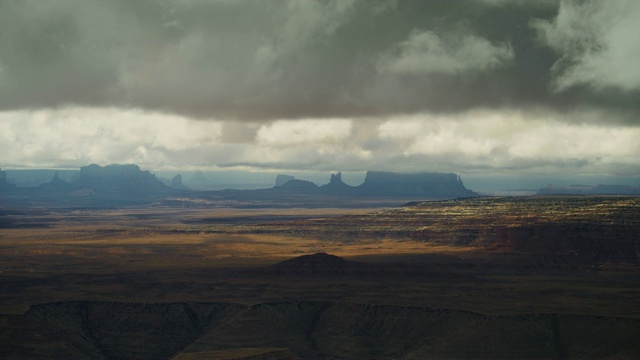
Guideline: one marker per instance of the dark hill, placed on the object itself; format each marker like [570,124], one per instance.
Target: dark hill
[323,264]
[316,264]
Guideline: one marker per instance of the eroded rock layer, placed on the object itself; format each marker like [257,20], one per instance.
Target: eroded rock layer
[99,330]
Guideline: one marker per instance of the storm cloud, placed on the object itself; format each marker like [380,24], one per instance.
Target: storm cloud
[289,59]
[493,85]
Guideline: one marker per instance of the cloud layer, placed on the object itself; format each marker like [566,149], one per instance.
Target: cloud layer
[597,43]
[424,53]
[248,60]
[478,141]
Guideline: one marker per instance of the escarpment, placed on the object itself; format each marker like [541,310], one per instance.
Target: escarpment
[294,330]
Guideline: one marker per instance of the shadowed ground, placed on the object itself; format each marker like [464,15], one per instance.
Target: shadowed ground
[492,278]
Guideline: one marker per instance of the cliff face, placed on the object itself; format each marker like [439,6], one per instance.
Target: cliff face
[299,185]
[595,242]
[384,184]
[294,330]
[4,185]
[118,178]
[56,185]
[176,183]
[337,187]
[417,184]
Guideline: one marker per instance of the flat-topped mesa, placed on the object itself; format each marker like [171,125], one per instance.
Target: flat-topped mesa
[296,184]
[283,179]
[4,184]
[119,178]
[414,184]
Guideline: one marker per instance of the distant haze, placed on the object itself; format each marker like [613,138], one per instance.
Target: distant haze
[518,91]
[236,179]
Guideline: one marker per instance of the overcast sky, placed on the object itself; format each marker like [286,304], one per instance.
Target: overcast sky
[475,87]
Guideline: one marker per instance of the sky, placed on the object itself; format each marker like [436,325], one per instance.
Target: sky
[482,88]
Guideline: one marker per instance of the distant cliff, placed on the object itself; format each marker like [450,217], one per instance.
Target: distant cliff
[56,185]
[120,178]
[4,184]
[387,184]
[414,184]
[176,183]
[337,187]
[283,179]
[115,185]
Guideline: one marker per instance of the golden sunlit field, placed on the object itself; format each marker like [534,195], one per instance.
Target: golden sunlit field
[176,254]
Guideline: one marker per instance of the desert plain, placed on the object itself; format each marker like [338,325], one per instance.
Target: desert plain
[512,277]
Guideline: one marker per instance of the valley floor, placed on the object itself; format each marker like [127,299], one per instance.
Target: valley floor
[436,275]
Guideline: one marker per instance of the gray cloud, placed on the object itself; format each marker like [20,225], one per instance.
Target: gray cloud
[250,60]
[425,52]
[597,42]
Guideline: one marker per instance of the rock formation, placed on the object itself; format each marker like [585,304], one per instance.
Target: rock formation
[306,330]
[299,185]
[4,184]
[415,184]
[119,178]
[283,179]
[198,180]
[337,187]
[56,185]
[176,183]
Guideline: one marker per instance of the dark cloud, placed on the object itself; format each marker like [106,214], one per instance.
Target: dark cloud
[252,60]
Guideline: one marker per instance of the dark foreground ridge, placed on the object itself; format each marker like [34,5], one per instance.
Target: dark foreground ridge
[303,330]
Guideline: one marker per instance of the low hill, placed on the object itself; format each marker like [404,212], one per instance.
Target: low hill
[316,264]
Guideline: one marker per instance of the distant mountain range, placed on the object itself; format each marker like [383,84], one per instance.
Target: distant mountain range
[116,185]
[435,185]
[112,185]
[121,185]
